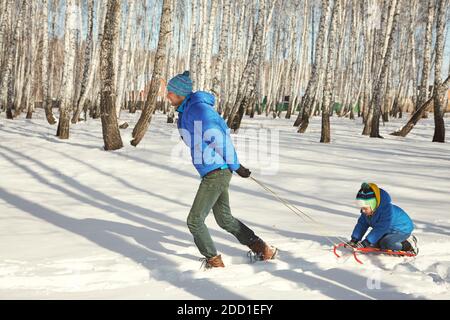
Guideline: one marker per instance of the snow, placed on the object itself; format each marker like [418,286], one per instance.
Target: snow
[81,223]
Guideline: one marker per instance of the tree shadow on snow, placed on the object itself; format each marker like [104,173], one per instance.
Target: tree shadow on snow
[102,232]
[96,198]
[337,283]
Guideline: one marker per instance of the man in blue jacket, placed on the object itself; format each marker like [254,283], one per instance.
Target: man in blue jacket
[391,226]
[213,155]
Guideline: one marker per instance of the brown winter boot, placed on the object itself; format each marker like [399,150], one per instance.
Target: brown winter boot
[214,262]
[262,250]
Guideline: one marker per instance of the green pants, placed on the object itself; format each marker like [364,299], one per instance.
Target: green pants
[213,194]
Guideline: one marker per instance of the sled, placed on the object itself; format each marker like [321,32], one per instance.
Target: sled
[356,251]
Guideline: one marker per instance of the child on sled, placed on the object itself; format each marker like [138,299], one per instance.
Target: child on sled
[391,226]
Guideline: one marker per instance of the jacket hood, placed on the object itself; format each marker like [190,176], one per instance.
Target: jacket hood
[202,97]
[383,198]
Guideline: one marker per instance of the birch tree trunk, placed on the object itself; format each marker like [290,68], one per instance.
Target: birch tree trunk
[308,98]
[32,55]
[380,85]
[46,101]
[292,65]
[328,85]
[109,45]
[235,57]
[375,33]
[303,69]
[418,114]
[423,89]
[202,49]
[6,18]
[171,63]
[209,44]
[117,54]
[439,89]
[70,34]
[150,104]
[79,61]
[51,57]
[414,73]
[123,67]
[402,81]
[91,64]
[7,84]
[193,54]
[21,72]
[87,62]
[368,62]
[223,46]
[246,84]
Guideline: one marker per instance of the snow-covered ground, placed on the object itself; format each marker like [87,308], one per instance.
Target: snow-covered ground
[79,222]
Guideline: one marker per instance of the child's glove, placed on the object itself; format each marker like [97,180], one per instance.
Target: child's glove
[364,244]
[353,243]
[359,244]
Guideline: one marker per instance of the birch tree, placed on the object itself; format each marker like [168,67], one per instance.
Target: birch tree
[30,87]
[109,45]
[417,115]
[150,104]
[439,89]
[202,49]
[52,70]
[209,45]
[423,102]
[46,101]
[379,89]
[246,84]
[236,52]
[308,98]
[292,69]
[7,87]
[91,63]
[87,62]
[423,89]
[215,87]
[70,35]
[248,79]
[193,49]
[327,95]
[124,59]
[7,10]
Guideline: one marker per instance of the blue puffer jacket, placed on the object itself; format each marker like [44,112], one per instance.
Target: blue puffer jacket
[206,133]
[388,218]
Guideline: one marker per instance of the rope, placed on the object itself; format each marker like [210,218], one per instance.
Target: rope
[297,211]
